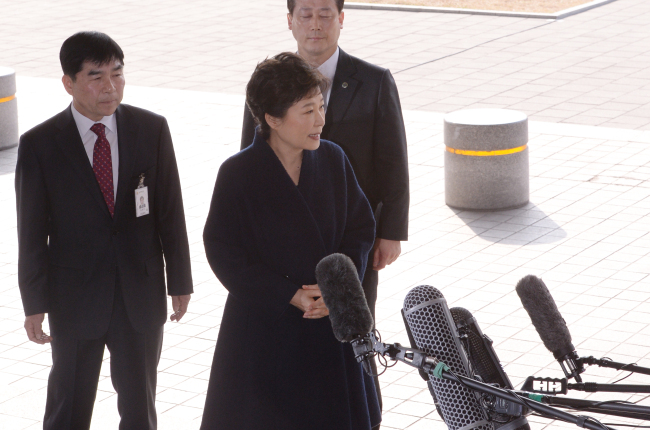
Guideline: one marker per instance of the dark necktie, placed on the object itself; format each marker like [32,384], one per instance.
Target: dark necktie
[103,166]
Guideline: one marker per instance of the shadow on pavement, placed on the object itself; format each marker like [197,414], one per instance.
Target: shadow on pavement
[8,160]
[528,225]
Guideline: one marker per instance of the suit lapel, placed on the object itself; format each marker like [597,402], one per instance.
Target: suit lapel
[127,140]
[70,143]
[344,88]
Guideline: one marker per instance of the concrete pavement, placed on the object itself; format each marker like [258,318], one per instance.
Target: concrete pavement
[588,69]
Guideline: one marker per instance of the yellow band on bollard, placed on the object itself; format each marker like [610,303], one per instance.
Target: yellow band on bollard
[7,99]
[486,153]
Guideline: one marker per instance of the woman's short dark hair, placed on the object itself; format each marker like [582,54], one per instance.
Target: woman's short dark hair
[277,84]
[92,46]
[291,5]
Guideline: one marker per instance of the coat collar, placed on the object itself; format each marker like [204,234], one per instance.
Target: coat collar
[344,87]
[271,180]
[84,124]
[271,164]
[69,141]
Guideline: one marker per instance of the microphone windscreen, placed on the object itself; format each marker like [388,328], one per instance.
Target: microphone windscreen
[485,363]
[341,290]
[545,316]
[427,316]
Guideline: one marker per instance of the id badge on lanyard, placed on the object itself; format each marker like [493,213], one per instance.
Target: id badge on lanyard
[141,199]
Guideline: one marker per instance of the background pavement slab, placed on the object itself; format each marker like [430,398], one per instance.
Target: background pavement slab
[590,68]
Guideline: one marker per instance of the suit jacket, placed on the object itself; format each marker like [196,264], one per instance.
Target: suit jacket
[263,238]
[71,252]
[364,117]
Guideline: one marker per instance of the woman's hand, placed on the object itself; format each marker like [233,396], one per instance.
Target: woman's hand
[304,300]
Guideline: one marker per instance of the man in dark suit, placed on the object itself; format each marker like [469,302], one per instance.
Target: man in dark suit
[88,256]
[364,117]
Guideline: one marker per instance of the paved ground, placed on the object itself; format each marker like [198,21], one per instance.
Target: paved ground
[586,69]
[586,230]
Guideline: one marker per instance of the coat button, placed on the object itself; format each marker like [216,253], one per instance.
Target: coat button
[115,232]
[344,85]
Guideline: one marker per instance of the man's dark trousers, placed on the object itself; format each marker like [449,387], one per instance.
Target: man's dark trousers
[72,384]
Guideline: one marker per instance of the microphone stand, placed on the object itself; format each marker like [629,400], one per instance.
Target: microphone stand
[561,386]
[594,387]
[364,346]
[601,362]
[627,410]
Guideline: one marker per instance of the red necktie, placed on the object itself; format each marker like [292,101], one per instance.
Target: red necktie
[103,166]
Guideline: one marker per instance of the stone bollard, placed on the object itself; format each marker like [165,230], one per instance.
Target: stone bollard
[8,109]
[486,159]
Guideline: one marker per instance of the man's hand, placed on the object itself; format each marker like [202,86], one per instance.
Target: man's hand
[304,300]
[34,329]
[179,304]
[385,252]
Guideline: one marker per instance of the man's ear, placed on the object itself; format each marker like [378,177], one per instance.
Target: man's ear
[289,20]
[341,17]
[272,121]
[67,83]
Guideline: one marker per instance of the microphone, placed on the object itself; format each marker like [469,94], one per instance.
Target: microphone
[340,287]
[550,325]
[478,346]
[430,322]
[431,325]
[486,365]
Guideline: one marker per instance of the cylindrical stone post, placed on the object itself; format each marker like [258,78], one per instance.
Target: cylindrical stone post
[486,159]
[8,109]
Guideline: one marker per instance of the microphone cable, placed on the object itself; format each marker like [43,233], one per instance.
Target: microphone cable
[605,402]
[383,362]
[586,418]
[464,340]
[622,368]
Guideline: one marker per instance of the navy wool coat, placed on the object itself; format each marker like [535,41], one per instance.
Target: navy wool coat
[272,368]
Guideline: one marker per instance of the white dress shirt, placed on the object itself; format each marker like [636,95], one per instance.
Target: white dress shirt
[328,69]
[88,138]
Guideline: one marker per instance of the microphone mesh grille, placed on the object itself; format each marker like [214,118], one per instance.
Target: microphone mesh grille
[478,354]
[432,332]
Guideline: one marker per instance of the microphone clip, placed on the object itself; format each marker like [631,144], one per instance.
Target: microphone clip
[572,365]
[363,347]
[368,344]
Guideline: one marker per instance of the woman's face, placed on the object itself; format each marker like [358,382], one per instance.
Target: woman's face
[302,125]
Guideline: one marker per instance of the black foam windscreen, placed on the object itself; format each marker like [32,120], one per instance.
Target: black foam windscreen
[430,322]
[343,295]
[545,316]
[484,362]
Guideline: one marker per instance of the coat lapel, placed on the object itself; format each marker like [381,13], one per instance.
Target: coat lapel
[70,143]
[344,87]
[127,140]
[292,215]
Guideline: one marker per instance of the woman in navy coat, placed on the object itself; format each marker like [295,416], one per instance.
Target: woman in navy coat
[278,208]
